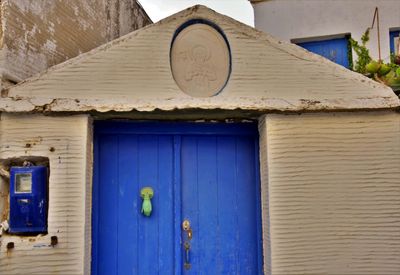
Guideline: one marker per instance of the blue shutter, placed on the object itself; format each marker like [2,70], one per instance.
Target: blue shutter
[393,35]
[336,50]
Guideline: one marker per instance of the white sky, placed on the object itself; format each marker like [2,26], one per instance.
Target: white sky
[241,10]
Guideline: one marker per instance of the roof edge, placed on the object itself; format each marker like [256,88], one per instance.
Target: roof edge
[50,105]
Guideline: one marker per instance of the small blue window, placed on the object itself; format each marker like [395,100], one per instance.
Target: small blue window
[336,49]
[394,35]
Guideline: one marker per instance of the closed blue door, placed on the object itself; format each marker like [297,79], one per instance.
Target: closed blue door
[204,174]
[336,50]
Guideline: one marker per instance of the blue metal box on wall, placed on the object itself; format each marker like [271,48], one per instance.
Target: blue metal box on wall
[28,199]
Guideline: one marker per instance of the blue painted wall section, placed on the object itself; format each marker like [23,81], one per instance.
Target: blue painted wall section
[336,50]
[206,173]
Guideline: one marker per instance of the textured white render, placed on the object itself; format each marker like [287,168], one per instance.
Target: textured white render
[70,170]
[133,73]
[266,235]
[330,181]
[334,193]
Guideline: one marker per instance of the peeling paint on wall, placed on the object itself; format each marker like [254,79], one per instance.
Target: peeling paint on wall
[40,34]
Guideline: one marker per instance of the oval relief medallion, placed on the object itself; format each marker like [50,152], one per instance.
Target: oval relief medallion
[200,60]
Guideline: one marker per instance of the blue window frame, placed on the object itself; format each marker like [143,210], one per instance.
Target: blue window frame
[393,35]
[336,49]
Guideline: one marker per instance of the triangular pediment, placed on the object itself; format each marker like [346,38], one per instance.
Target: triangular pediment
[134,73]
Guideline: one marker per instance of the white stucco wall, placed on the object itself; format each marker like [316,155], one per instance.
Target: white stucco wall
[69,216]
[265,217]
[289,19]
[333,184]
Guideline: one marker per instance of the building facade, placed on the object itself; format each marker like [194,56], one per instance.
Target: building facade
[324,27]
[199,144]
[36,35]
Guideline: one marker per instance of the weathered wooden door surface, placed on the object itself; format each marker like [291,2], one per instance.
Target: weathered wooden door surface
[206,174]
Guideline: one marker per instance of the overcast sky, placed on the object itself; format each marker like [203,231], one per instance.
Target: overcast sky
[241,10]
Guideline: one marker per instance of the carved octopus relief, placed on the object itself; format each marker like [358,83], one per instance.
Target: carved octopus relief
[200,60]
[200,70]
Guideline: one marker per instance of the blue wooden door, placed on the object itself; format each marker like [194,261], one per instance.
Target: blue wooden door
[204,173]
[336,50]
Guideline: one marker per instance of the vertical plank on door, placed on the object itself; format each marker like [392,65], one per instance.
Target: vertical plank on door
[95,206]
[108,196]
[189,189]
[247,226]
[177,202]
[148,226]
[227,206]
[206,237]
[166,240]
[128,205]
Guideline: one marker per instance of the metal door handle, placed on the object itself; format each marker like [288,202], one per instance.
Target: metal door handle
[187,264]
[186,245]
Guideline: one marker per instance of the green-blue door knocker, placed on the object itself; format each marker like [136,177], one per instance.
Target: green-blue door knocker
[146,193]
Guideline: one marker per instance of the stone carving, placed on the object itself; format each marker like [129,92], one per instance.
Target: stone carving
[200,60]
[201,71]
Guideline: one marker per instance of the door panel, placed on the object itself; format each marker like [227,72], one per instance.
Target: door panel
[205,173]
[198,166]
[126,242]
[219,200]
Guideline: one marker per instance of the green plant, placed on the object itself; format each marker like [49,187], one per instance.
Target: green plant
[388,74]
[350,53]
[363,57]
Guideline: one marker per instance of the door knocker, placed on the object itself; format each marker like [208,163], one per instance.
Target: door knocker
[146,193]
